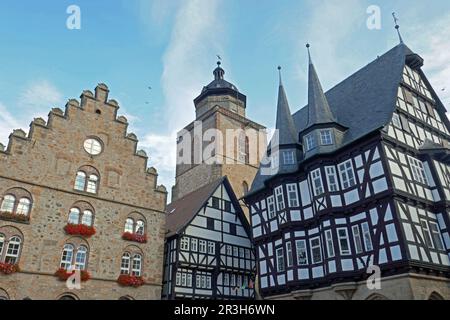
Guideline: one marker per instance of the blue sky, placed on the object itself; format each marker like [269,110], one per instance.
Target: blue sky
[172,47]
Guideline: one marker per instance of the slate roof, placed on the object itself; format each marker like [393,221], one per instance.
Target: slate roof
[287,133]
[364,102]
[182,211]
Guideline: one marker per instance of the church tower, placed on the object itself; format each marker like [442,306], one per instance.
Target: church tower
[221,141]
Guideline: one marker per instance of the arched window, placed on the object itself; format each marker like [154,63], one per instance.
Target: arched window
[245,187]
[125,264]
[137,265]
[80,181]
[8,204]
[81,257]
[13,251]
[92,184]
[87,218]
[129,225]
[140,227]
[67,256]
[435,296]
[74,216]
[24,206]
[87,180]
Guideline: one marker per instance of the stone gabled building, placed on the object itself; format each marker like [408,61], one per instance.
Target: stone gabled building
[75,193]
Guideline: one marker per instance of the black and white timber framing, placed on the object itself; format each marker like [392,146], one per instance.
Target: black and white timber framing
[208,250]
[370,185]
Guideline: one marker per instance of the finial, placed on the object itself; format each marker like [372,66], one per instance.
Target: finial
[309,52]
[219,63]
[397,27]
[279,73]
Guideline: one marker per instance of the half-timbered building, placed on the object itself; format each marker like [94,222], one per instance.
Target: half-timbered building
[360,179]
[208,252]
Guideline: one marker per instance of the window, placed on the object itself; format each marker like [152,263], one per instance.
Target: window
[92,184]
[93,147]
[292,195]
[87,218]
[310,142]
[316,250]
[241,253]
[242,154]
[194,243]
[317,182]
[80,259]
[23,207]
[12,253]
[178,279]
[330,244]
[215,202]
[347,174]
[288,157]
[302,256]
[137,265]
[436,235]
[426,234]
[184,243]
[232,280]
[343,241]
[396,121]
[2,243]
[211,248]
[189,280]
[140,227]
[418,170]
[66,258]
[8,204]
[226,279]
[326,137]
[202,246]
[367,236]
[280,198]
[244,188]
[229,250]
[332,179]
[357,239]
[129,225]
[280,260]
[271,207]
[80,181]
[290,258]
[235,251]
[125,264]
[227,205]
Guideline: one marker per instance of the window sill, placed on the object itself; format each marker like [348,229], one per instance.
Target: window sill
[133,237]
[18,218]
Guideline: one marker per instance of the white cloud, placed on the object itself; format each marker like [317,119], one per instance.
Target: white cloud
[8,123]
[40,94]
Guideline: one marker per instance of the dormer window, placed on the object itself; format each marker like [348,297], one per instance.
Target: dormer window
[310,142]
[288,157]
[326,137]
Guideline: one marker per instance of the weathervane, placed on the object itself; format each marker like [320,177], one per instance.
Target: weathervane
[397,27]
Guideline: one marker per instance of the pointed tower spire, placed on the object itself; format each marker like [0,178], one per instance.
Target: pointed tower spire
[397,27]
[285,122]
[319,111]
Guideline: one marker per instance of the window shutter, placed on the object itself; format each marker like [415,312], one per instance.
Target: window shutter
[405,123]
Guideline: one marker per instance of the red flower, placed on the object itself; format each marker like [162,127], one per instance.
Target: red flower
[63,275]
[130,281]
[79,230]
[135,237]
[7,268]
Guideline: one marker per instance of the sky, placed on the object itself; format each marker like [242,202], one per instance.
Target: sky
[172,47]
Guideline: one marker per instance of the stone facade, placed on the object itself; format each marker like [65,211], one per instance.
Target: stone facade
[44,164]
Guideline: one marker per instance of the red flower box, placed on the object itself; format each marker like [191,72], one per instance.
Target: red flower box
[14,216]
[135,237]
[79,230]
[126,280]
[7,268]
[63,275]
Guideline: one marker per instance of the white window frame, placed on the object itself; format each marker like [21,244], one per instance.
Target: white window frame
[271,207]
[194,245]
[136,267]
[289,255]
[292,192]
[436,235]
[330,243]
[12,253]
[314,247]
[317,182]
[288,157]
[184,243]
[202,246]
[281,264]
[125,263]
[357,239]
[279,198]
[418,170]
[331,174]
[326,137]
[93,146]
[301,248]
[396,122]
[347,240]
[310,142]
[211,248]
[347,174]
[367,236]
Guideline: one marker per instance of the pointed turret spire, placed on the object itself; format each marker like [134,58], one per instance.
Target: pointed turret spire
[397,27]
[319,111]
[285,122]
